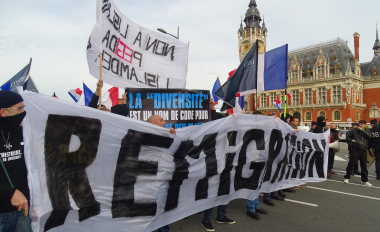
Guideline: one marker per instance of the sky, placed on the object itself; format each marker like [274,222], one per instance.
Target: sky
[55,34]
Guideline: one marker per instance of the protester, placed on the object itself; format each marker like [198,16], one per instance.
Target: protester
[207,214]
[321,123]
[349,143]
[334,136]
[120,109]
[313,125]
[294,122]
[13,199]
[375,144]
[359,137]
[159,121]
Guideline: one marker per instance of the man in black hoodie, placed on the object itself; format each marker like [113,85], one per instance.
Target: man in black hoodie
[321,123]
[16,198]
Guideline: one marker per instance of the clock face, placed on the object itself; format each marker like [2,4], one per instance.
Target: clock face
[246,47]
[259,47]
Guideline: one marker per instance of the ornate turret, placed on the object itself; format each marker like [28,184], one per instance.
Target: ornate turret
[241,29]
[252,16]
[376,46]
[264,28]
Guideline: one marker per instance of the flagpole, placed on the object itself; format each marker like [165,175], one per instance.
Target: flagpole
[219,81]
[285,98]
[101,54]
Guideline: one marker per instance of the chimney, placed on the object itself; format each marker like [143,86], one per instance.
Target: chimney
[356,44]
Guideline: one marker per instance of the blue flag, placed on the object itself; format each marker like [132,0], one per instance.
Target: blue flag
[243,80]
[6,86]
[87,94]
[22,78]
[215,88]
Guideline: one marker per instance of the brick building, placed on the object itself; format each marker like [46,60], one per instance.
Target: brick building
[325,79]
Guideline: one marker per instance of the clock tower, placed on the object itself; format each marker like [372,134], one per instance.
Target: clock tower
[252,31]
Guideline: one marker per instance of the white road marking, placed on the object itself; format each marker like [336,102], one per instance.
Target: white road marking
[301,202]
[337,158]
[353,184]
[344,173]
[298,202]
[350,194]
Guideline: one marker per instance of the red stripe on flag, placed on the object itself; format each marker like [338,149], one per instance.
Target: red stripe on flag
[114,95]
[78,91]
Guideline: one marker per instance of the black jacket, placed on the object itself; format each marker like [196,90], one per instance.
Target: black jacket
[375,135]
[361,138]
[14,163]
[320,125]
[334,135]
[215,115]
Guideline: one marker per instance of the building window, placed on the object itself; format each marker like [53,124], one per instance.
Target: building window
[308,96]
[321,70]
[322,114]
[357,116]
[322,95]
[296,97]
[337,94]
[337,115]
[273,97]
[283,97]
[295,75]
[263,100]
[308,116]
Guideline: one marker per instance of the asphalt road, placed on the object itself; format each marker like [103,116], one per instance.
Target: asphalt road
[327,206]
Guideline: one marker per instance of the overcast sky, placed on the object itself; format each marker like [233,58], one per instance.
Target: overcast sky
[55,33]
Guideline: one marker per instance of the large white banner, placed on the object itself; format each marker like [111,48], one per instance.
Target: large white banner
[134,56]
[91,170]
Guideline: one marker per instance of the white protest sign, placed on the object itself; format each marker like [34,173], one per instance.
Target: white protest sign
[134,56]
[91,170]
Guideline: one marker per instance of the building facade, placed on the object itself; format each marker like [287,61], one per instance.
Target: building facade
[326,79]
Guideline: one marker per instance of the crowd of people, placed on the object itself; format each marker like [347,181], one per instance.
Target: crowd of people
[14,190]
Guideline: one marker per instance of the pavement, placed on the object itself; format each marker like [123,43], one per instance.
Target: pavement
[327,206]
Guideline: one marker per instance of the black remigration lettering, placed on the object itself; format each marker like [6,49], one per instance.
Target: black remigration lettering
[181,172]
[317,159]
[297,160]
[133,74]
[225,176]
[283,164]
[253,181]
[128,168]
[305,144]
[151,79]
[275,144]
[293,142]
[66,171]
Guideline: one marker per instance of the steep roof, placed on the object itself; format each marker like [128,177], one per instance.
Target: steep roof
[367,68]
[336,51]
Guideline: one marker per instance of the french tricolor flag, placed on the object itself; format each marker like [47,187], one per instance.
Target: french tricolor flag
[111,97]
[278,104]
[75,94]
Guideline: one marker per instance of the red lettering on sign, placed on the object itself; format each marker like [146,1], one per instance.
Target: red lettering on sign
[123,51]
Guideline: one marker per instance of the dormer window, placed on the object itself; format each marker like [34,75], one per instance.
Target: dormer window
[373,71]
[308,73]
[337,68]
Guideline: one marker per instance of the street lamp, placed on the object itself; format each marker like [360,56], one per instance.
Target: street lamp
[163,31]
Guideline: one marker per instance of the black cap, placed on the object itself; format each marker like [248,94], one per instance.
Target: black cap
[9,99]
[355,124]
[314,123]
[374,121]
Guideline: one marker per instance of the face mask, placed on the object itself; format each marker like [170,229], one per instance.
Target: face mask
[11,123]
